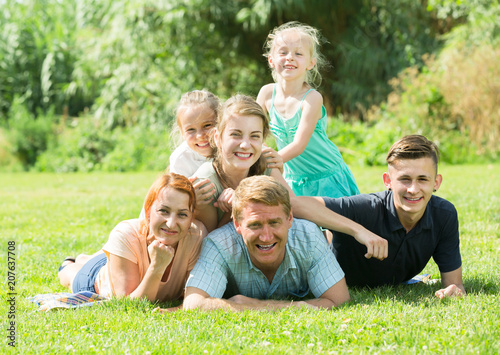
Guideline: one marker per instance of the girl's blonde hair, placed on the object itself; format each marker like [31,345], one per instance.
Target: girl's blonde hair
[190,99]
[313,76]
[241,105]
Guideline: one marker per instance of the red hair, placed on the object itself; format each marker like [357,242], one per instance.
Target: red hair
[171,180]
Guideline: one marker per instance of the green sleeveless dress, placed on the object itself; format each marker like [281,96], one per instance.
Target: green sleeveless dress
[320,170]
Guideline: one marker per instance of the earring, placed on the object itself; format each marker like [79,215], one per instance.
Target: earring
[435,190]
[390,189]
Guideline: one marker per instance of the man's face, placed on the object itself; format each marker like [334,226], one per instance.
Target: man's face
[412,182]
[265,233]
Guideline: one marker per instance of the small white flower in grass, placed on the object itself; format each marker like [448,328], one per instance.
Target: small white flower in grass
[266,343]
[310,345]
[424,347]
[69,347]
[205,351]
[287,333]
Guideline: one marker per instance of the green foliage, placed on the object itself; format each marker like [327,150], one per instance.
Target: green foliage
[85,146]
[76,212]
[455,98]
[126,64]
[28,136]
[37,51]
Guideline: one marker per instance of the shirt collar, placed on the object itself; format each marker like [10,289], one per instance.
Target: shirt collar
[288,262]
[394,223]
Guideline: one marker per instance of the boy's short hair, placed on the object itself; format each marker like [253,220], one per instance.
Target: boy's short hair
[413,147]
[260,189]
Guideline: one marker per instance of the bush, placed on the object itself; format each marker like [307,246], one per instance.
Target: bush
[80,147]
[85,146]
[28,136]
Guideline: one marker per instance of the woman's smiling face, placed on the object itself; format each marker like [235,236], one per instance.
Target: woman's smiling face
[241,141]
[171,216]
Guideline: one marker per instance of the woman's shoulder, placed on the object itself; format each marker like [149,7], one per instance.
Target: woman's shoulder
[206,170]
[197,231]
[129,226]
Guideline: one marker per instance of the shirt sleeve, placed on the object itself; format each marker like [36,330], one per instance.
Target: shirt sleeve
[210,272]
[207,171]
[121,242]
[447,254]
[180,162]
[325,270]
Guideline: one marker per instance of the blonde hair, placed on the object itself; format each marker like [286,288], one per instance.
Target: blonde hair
[190,99]
[260,189]
[313,76]
[241,105]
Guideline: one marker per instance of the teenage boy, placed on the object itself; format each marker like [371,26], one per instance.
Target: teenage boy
[413,225]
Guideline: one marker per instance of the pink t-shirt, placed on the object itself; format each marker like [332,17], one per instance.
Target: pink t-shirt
[125,241]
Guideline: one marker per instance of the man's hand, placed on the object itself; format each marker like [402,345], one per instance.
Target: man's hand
[450,291]
[376,247]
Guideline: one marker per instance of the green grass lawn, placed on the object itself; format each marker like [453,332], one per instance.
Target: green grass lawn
[50,216]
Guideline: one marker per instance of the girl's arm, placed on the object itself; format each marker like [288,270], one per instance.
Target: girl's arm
[208,216]
[275,173]
[205,211]
[265,95]
[311,113]
[125,275]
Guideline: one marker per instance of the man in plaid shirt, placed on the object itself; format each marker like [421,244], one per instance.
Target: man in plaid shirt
[265,259]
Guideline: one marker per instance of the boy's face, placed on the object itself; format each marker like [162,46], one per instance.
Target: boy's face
[412,182]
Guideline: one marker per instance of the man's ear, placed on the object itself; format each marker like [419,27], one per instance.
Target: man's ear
[237,226]
[438,181]
[387,180]
[290,220]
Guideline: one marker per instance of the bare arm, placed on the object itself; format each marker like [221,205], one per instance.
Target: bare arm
[198,299]
[333,297]
[208,216]
[275,173]
[264,96]
[452,284]
[314,210]
[311,113]
[125,275]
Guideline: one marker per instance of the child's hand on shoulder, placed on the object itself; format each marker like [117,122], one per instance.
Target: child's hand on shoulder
[273,159]
[225,200]
[204,190]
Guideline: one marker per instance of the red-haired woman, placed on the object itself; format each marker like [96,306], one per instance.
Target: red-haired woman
[149,257]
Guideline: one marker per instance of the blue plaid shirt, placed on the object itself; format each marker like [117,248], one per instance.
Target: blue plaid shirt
[224,268]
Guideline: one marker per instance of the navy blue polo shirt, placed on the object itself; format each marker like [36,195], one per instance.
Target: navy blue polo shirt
[435,235]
